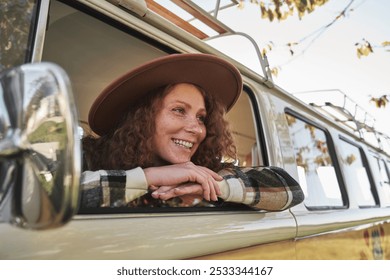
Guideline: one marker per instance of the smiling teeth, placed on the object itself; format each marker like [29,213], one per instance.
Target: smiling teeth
[183,143]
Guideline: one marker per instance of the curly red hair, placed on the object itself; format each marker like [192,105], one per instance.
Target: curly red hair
[130,145]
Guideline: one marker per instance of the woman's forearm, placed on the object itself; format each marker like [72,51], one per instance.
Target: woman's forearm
[265,188]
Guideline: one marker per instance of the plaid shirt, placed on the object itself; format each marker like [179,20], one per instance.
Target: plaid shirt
[261,188]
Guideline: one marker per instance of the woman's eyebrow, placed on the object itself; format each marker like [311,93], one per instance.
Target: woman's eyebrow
[187,104]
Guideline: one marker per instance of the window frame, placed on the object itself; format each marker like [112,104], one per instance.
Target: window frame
[367,166]
[382,161]
[259,129]
[334,158]
[169,50]
[224,206]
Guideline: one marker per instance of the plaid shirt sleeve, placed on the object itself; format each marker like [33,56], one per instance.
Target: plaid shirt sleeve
[262,188]
[112,188]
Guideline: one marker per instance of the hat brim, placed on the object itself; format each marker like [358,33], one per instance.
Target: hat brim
[215,75]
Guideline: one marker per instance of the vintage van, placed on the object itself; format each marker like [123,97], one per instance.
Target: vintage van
[57,55]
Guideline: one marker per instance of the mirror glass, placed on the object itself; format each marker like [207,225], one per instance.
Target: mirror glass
[40,153]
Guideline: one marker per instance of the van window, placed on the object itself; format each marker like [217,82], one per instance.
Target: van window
[356,173]
[316,169]
[95,53]
[17,22]
[95,50]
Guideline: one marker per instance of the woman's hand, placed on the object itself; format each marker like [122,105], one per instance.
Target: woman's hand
[172,176]
[183,190]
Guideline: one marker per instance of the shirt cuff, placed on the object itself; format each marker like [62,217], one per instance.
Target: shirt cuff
[136,184]
[232,190]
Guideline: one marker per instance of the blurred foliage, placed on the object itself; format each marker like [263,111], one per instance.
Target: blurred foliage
[350,159]
[386,44]
[280,10]
[380,101]
[364,48]
[314,152]
[15,21]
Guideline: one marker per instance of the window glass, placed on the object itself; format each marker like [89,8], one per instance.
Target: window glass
[384,181]
[316,171]
[16,23]
[241,119]
[356,174]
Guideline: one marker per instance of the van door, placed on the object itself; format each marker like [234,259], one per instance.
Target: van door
[94,49]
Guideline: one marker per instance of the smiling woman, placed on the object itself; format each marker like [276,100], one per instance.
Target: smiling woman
[164,138]
[180,126]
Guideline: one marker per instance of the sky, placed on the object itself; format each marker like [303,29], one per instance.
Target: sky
[329,62]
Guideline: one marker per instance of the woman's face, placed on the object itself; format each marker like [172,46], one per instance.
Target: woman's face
[180,125]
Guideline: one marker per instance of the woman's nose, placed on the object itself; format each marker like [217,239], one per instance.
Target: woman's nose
[194,126]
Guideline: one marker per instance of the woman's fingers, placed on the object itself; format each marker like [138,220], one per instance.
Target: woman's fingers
[212,184]
[165,193]
[208,180]
[153,188]
[188,189]
[176,174]
[215,175]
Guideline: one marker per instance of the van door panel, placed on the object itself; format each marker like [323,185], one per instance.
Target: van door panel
[148,236]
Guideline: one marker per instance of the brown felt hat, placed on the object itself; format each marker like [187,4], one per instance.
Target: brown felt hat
[215,75]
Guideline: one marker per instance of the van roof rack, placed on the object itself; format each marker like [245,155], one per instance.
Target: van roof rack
[196,12]
[347,112]
[210,20]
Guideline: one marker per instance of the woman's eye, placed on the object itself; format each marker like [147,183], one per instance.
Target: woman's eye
[179,110]
[202,119]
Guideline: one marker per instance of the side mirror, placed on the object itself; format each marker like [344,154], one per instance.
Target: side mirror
[40,151]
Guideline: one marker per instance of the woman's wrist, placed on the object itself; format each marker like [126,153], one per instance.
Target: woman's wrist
[149,176]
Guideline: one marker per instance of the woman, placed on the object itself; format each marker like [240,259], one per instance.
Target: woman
[163,137]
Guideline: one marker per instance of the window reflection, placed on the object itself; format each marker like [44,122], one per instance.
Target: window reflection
[15,25]
[356,174]
[384,182]
[316,171]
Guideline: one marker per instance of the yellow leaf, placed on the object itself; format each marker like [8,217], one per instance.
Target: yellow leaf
[364,49]
[270,14]
[290,120]
[386,43]
[275,72]
[359,55]
[350,159]
[380,101]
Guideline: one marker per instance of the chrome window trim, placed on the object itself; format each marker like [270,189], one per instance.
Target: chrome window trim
[43,14]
